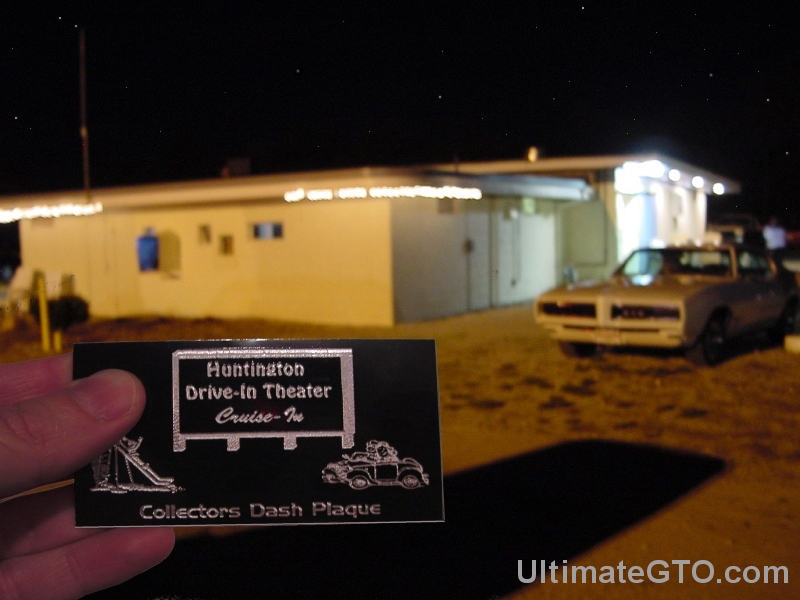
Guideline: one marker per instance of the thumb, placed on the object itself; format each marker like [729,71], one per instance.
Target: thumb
[51,436]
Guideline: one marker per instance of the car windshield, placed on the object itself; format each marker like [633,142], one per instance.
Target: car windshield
[652,262]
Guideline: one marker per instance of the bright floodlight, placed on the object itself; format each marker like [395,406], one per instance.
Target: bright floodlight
[718,189]
[648,168]
[697,181]
[626,181]
[674,175]
[652,168]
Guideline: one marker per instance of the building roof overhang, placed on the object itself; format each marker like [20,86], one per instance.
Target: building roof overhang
[279,187]
[587,167]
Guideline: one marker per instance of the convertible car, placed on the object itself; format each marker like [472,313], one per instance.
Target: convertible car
[692,297]
[378,466]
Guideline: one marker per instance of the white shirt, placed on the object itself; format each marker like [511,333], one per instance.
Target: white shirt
[775,237]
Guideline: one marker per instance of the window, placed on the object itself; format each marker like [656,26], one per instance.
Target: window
[754,264]
[668,261]
[226,244]
[169,252]
[267,231]
[643,262]
[204,234]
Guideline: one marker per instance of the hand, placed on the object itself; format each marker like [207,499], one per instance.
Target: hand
[49,427]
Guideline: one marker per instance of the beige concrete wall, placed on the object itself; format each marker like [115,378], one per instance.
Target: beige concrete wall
[699,214]
[588,232]
[681,213]
[333,264]
[524,257]
[430,261]
[70,245]
[479,253]
[585,226]
[512,260]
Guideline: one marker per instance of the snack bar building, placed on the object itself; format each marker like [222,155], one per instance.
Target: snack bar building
[365,246]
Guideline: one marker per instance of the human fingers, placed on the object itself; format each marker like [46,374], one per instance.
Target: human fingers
[85,566]
[46,438]
[25,380]
[39,522]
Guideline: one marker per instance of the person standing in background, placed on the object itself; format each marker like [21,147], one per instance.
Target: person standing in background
[775,238]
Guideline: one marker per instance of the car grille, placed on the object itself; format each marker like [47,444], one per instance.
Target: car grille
[628,311]
[568,309]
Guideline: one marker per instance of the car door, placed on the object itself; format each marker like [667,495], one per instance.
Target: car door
[777,294]
[757,276]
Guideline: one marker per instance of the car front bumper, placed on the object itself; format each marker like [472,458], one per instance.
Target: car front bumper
[660,337]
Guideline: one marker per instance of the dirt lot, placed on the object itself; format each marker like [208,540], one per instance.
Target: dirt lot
[505,389]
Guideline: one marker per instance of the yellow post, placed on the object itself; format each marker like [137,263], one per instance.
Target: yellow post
[44,314]
[58,341]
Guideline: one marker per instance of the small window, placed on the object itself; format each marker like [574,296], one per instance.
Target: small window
[753,263]
[147,250]
[169,252]
[226,244]
[204,234]
[267,231]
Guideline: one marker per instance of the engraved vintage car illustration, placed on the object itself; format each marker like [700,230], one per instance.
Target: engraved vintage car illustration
[378,466]
[692,297]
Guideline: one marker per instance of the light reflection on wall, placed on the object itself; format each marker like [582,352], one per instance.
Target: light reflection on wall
[659,205]
[637,223]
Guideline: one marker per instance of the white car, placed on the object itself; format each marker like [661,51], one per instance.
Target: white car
[692,297]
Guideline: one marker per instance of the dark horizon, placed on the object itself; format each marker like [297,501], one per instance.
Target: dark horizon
[173,94]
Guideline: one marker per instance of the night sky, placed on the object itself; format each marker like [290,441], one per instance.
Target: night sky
[175,89]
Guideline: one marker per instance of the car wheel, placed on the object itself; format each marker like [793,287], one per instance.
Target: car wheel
[359,483]
[578,349]
[410,481]
[710,347]
[786,322]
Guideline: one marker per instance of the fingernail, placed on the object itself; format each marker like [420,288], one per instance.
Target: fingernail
[106,395]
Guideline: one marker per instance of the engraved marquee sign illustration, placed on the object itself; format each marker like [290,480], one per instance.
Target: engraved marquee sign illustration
[289,393]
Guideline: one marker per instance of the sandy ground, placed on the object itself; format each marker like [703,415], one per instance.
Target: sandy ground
[506,389]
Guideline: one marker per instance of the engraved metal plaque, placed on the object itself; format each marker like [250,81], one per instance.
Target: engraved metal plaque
[271,432]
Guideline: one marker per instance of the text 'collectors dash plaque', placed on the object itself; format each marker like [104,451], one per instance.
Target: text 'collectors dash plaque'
[269,432]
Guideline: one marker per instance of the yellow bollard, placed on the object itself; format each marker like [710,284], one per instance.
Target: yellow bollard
[58,341]
[44,314]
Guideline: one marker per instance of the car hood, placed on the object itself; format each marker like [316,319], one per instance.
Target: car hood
[662,288]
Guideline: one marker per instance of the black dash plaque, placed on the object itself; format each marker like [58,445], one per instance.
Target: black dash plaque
[269,432]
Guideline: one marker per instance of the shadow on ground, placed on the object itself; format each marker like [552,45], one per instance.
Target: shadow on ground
[734,348]
[551,504]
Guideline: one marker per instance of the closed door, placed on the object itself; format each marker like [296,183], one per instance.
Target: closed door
[477,249]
